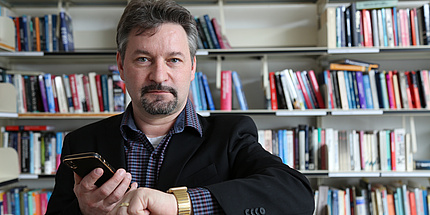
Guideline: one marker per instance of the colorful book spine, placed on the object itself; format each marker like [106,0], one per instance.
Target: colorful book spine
[207,90]
[239,90]
[226,90]
[273,95]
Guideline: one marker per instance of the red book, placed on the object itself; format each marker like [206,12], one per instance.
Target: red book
[305,93]
[404,27]
[393,150]
[54,91]
[18,34]
[413,86]
[390,90]
[413,17]
[273,96]
[99,92]
[367,28]
[43,202]
[28,128]
[74,91]
[316,88]
[218,33]
[412,202]
[226,90]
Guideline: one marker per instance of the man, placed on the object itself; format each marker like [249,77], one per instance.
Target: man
[210,165]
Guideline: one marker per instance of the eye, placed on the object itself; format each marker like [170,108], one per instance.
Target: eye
[175,60]
[143,59]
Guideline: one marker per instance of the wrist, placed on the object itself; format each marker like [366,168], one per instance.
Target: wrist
[182,199]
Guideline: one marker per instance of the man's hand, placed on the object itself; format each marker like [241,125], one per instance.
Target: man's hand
[146,201]
[100,200]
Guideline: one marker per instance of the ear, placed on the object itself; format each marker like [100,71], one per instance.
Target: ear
[120,65]
[193,68]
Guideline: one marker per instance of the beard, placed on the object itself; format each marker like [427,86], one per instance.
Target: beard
[158,105]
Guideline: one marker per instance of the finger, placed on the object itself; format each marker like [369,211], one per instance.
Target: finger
[133,186]
[89,180]
[77,178]
[120,190]
[110,185]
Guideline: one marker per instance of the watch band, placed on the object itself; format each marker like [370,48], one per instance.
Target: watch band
[184,201]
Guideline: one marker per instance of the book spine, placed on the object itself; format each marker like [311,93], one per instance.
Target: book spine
[239,90]
[273,95]
[99,91]
[104,92]
[74,89]
[211,31]
[207,90]
[316,88]
[226,90]
[306,95]
[361,90]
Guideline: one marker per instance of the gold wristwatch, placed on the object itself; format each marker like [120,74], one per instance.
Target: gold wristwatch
[184,201]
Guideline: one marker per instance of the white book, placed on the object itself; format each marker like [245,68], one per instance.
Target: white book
[330,146]
[399,135]
[403,86]
[288,99]
[375,28]
[261,137]
[357,157]
[93,87]
[375,148]
[382,140]
[81,92]
[302,152]
[61,94]
[390,29]
[36,153]
[298,89]
[315,150]
[381,28]
[291,89]
[409,153]
[20,95]
[66,83]
[342,90]
[290,143]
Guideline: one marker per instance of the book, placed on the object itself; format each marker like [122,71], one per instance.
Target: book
[118,92]
[68,92]
[211,31]
[342,90]
[422,164]
[49,93]
[348,67]
[94,91]
[367,28]
[66,32]
[239,90]
[423,15]
[61,94]
[288,100]
[226,90]
[361,90]
[273,94]
[306,94]
[75,95]
[413,86]
[205,30]
[396,90]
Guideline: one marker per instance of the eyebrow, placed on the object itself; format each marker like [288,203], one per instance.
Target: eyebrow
[173,53]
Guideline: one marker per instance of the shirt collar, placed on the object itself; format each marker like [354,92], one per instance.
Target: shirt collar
[187,118]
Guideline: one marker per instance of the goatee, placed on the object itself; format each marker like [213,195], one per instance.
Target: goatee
[158,105]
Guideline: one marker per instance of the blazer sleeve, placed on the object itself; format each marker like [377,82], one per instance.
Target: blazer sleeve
[260,182]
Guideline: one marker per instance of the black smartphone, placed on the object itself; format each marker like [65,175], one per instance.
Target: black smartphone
[84,163]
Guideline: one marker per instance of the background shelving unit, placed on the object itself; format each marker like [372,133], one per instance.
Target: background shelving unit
[266,36]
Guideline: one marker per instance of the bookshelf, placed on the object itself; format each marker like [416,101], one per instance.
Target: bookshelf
[275,45]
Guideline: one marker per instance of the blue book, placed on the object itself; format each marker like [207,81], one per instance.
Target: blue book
[105,91]
[309,89]
[211,30]
[281,145]
[395,27]
[361,90]
[195,93]
[54,33]
[207,90]
[239,90]
[368,91]
[425,205]
[48,44]
[49,93]
[353,89]
[335,202]
[66,32]
[384,92]
[202,93]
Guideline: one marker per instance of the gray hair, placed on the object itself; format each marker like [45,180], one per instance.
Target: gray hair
[148,15]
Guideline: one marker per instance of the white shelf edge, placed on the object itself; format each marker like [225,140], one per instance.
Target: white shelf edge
[351,50]
[406,174]
[21,53]
[356,112]
[8,115]
[353,174]
[28,176]
[301,113]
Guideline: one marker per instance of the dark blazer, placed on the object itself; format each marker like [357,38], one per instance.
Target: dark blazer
[227,160]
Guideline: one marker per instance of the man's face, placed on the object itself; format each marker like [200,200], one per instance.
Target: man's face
[157,69]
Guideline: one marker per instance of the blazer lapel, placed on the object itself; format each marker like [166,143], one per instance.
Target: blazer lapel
[181,147]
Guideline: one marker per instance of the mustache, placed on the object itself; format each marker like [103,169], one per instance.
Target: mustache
[151,87]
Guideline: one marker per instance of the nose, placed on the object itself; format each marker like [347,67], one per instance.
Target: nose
[159,71]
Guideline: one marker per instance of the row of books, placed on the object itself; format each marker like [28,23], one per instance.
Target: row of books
[376,89]
[396,198]
[310,148]
[22,200]
[231,92]
[381,27]
[210,34]
[73,93]
[38,147]
[51,32]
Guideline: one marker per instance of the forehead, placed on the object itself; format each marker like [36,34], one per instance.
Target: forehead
[169,34]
